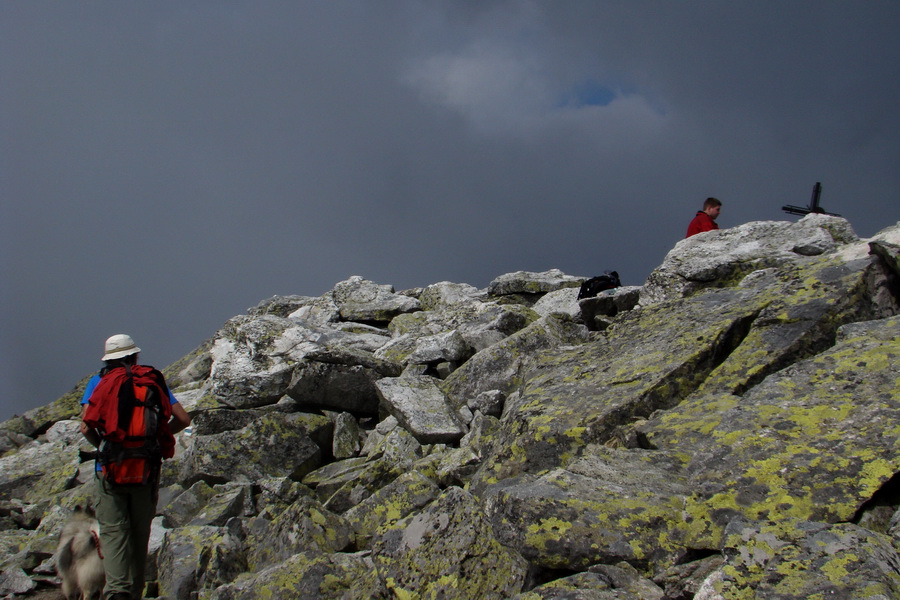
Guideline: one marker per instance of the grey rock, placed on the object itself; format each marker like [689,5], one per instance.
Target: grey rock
[275,445]
[489,402]
[183,559]
[803,559]
[564,301]
[445,294]
[527,282]
[421,408]
[360,300]
[403,496]
[349,388]
[448,550]
[608,303]
[609,506]
[729,254]
[310,575]
[500,366]
[346,442]
[181,509]
[304,526]
[447,346]
[222,506]
[252,360]
[15,581]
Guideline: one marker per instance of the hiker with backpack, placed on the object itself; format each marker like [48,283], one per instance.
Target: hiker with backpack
[130,416]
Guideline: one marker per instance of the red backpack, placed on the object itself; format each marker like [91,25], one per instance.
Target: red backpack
[130,409]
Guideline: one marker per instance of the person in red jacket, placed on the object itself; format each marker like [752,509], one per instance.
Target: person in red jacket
[705,220]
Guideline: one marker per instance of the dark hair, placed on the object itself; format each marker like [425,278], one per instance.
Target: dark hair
[129,360]
[710,202]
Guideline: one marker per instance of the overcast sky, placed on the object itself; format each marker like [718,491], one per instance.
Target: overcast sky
[166,165]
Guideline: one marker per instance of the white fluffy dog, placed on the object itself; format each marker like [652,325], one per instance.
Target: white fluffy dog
[79,560]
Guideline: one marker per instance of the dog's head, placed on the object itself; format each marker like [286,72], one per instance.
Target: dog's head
[86,511]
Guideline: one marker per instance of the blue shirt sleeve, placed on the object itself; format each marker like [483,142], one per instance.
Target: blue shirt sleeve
[90,388]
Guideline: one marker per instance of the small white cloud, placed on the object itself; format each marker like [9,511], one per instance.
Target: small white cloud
[488,84]
[504,89]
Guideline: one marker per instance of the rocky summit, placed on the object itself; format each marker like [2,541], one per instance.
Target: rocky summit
[730,429]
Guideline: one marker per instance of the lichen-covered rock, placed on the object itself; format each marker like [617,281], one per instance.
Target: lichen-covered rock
[346,442]
[447,550]
[814,441]
[563,301]
[685,580]
[594,311]
[445,294]
[223,506]
[603,582]
[489,403]
[15,581]
[351,388]
[275,445]
[721,437]
[446,346]
[528,282]
[725,256]
[500,366]
[367,480]
[184,558]
[609,506]
[190,370]
[309,576]
[575,395]
[406,494]
[185,505]
[360,300]
[580,586]
[803,559]
[249,366]
[38,471]
[305,526]
[453,333]
[277,493]
[37,420]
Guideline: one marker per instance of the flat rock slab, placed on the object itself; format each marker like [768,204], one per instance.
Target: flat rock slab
[421,408]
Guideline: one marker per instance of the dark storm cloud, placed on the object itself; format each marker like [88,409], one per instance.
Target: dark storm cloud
[166,165]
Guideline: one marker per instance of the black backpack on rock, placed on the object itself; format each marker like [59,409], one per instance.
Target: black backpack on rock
[595,285]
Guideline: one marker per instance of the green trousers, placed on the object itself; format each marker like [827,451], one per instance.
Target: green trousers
[125,514]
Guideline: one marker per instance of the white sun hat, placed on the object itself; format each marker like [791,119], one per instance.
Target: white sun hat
[118,346]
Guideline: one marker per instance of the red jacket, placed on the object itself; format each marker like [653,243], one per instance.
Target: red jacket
[102,412]
[700,223]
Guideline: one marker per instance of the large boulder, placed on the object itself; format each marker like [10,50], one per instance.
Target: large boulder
[421,408]
[723,257]
[609,506]
[305,526]
[252,362]
[803,559]
[528,282]
[724,339]
[275,445]
[448,550]
[814,441]
[358,299]
[500,366]
[309,576]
